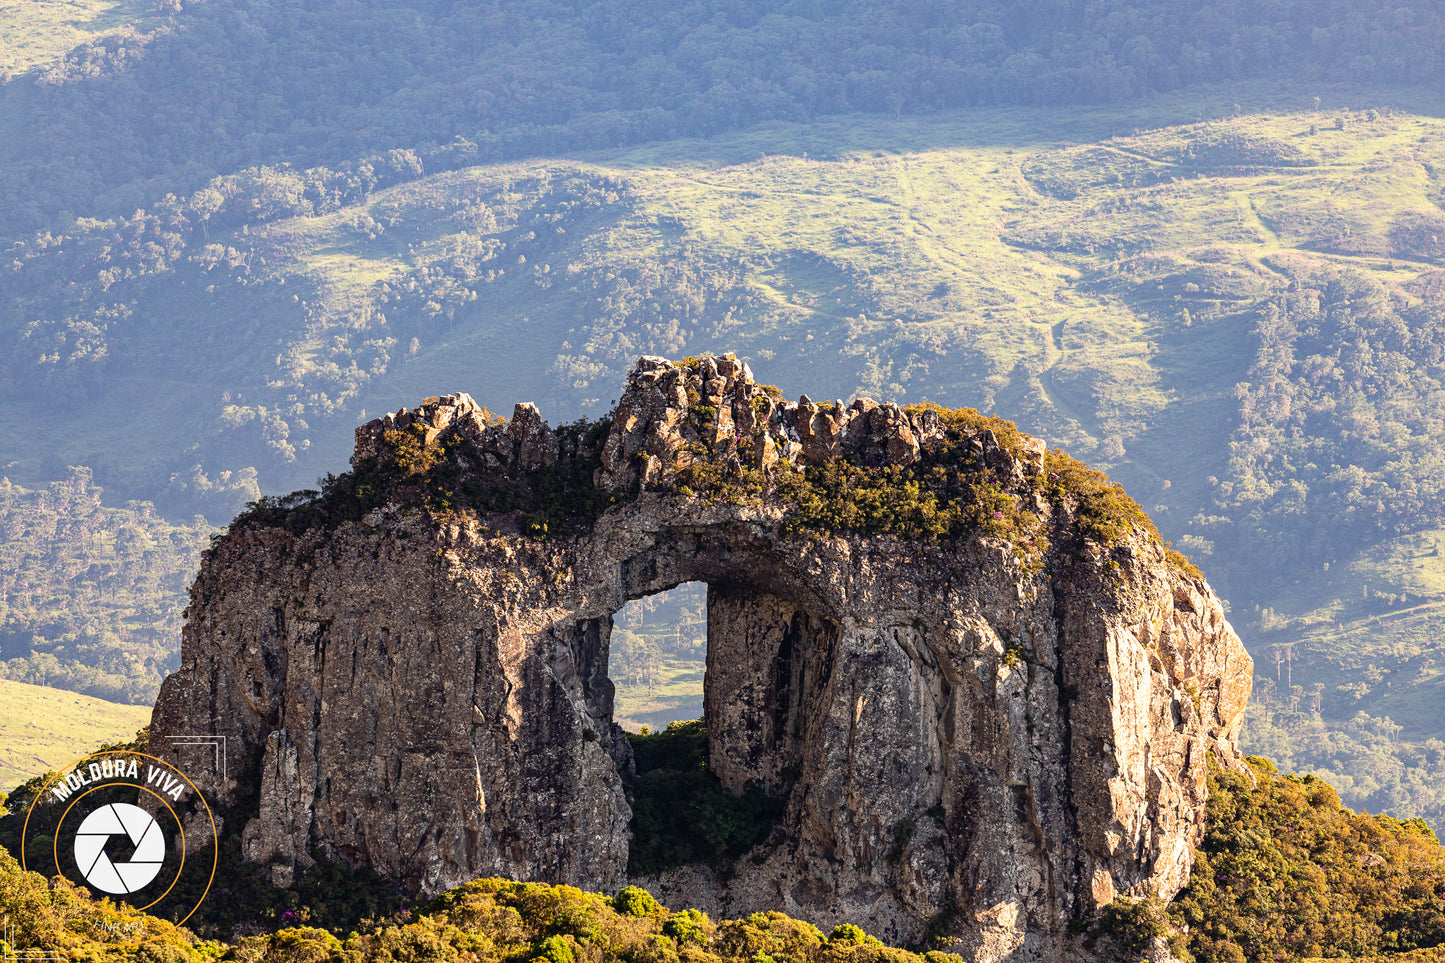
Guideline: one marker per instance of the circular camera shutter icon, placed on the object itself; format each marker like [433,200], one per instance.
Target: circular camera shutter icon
[137,825]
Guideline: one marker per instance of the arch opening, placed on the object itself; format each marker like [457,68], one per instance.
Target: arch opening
[717,684]
[658,658]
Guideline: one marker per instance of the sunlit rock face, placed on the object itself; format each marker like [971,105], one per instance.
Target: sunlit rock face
[968,741]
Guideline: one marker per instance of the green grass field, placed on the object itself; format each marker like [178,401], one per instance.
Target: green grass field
[676,697]
[37,33]
[43,728]
[658,658]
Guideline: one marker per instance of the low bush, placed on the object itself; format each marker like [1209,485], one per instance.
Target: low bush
[1286,872]
[680,811]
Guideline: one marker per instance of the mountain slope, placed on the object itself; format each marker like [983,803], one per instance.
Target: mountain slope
[179,93]
[43,729]
[1239,317]
[90,596]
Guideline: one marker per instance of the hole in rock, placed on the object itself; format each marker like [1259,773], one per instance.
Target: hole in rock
[682,813]
[721,672]
[658,658]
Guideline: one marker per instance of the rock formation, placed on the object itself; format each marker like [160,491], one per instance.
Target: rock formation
[984,689]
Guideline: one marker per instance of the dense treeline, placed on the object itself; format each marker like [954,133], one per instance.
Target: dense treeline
[1285,873]
[1364,757]
[1341,434]
[681,814]
[1340,446]
[91,597]
[236,84]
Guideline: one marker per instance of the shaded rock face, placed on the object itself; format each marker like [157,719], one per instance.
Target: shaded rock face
[963,743]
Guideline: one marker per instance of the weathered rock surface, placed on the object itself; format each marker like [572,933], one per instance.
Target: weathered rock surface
[962,740]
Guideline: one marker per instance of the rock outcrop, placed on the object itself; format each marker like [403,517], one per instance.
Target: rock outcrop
[989,721]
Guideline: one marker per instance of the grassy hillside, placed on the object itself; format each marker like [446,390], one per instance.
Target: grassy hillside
[42,729]
[159,97]
[34,36]
[930,257]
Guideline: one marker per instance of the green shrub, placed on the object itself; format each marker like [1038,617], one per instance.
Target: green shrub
[635,901]
[936,956]
[688,926]
[1285,872]
[771,934]
[1134,924]
[1181,562]
[1104,511]
[446,476]
[554,949]
[654,949]
[164,951]
[557,910]
[305,945]
[409,452]
[849,935]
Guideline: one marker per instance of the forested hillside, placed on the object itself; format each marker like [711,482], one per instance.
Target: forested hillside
[165,103]
[91,597]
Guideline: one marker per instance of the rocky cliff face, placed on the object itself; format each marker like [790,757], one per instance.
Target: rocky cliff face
[988,699]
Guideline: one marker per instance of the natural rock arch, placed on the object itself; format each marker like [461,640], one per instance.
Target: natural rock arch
[771,644]
[988,705]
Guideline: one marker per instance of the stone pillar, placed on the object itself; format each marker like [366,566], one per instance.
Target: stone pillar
[765,658]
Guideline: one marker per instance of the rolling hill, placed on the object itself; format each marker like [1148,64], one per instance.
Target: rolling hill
[43,728]
[1236,312]
[231,231]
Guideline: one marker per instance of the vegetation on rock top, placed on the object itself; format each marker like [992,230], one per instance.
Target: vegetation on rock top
[952,492]
[449,476]
[949,493]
